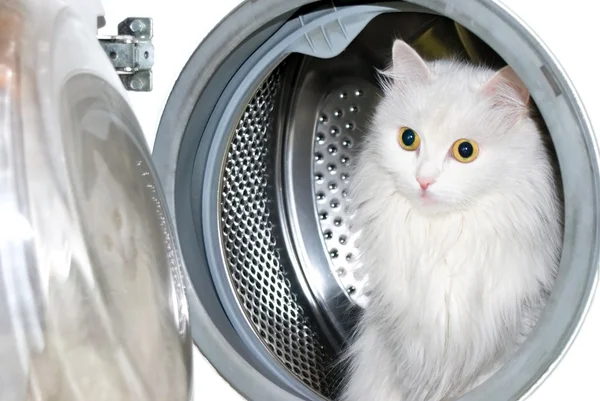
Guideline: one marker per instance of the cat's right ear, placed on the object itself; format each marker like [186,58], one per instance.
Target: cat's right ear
[407,65]
[507,89]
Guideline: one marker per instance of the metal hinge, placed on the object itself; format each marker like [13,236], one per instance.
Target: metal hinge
[132,53]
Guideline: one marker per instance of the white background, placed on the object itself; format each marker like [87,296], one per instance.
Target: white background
[568,28]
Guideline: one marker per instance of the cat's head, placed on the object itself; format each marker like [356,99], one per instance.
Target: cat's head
[449,133]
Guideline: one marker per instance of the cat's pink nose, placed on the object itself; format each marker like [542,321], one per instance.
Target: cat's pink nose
[425,182]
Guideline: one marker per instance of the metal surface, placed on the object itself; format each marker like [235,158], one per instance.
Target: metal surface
[341,124]
[131,52]
[259,272]
[324,132]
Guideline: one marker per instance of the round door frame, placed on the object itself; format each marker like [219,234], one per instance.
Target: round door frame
[254,21]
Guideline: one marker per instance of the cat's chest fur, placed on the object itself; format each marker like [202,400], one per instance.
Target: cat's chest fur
[448,280]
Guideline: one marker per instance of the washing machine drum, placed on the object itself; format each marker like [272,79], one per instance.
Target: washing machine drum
[255,152]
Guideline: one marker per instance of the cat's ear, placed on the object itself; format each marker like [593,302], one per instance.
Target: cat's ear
[507,89]
[407,65]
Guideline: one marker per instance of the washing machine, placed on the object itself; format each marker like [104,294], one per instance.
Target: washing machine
[218,265]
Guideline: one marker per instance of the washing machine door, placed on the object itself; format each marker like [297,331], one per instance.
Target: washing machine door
[92,303]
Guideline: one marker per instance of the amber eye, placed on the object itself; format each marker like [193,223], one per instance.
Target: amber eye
[408,139]
[465,151]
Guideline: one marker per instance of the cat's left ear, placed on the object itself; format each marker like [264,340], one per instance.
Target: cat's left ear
[407,64]
[507,89]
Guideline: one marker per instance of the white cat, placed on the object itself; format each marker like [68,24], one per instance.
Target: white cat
[460,230]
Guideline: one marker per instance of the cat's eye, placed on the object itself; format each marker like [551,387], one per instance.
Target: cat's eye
[465,150]
[408,139]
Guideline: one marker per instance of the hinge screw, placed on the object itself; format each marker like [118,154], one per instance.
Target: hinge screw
[136,26]
[136,84]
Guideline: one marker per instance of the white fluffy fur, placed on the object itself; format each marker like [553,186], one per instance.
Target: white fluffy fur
[457,279]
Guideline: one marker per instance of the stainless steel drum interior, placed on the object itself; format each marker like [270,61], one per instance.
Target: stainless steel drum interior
[284,244]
